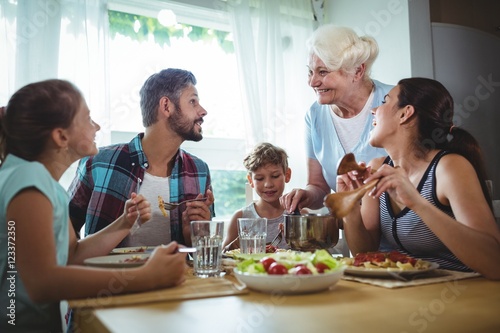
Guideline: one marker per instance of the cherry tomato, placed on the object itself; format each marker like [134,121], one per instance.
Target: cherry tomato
[402,258]
[303,271]
[270,248]
[266,262]
[277,269]
[321,267]
[300,265]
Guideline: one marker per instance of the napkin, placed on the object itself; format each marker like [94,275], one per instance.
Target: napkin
[435,276]
[193,288]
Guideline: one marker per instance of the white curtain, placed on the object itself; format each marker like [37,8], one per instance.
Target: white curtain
[63,39]
[67,39]
[270,40]
[7,50]
[270,37]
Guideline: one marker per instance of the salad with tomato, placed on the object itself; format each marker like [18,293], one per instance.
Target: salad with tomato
[295,263]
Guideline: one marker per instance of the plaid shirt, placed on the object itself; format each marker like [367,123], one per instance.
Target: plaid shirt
[105,181]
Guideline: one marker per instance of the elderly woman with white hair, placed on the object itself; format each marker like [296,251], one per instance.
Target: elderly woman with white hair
[339,121]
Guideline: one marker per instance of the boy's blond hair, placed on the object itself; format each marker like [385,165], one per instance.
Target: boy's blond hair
[264,154]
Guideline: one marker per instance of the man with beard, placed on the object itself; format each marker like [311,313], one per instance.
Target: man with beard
[152,164]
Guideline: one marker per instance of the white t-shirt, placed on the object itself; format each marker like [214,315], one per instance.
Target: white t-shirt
[347,126]
[272,224]
[157,230]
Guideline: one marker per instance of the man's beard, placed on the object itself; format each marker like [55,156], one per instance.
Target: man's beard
[184,128]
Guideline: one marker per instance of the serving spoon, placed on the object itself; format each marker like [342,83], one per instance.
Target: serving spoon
[348,163]
[341,203]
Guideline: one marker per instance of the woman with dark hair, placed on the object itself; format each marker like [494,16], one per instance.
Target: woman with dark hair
[431,198]
[45,127]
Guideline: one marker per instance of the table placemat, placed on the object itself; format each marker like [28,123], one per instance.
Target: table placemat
[435,276]
[192,288]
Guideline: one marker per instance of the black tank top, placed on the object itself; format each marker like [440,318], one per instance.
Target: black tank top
[407,232]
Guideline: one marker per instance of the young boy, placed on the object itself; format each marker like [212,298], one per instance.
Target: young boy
[268,172]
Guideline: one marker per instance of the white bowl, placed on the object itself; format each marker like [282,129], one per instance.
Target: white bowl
[289,283]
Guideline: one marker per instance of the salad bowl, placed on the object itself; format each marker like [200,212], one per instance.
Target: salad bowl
[288,283]
[300,272]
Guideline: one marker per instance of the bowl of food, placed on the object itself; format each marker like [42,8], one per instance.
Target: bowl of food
[290,272]
[309,232]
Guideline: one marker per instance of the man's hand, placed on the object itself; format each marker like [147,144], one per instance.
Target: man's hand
[196,211]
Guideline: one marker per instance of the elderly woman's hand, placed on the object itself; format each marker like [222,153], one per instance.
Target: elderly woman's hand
[296,198]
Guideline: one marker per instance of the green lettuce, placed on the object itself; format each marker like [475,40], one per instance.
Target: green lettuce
[251,265]
[325,257]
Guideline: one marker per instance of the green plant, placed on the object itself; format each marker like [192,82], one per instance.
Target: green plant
[229,191]
[125,23]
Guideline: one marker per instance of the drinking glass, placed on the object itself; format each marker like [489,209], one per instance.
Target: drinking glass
[206,237]
[253,233]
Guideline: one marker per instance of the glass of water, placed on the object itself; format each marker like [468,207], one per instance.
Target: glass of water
[206,237]
[253,233]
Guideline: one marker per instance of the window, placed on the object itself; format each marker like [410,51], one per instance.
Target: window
[71,40]
[140,45]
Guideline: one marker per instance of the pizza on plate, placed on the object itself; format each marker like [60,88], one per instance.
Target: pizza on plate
[386,260]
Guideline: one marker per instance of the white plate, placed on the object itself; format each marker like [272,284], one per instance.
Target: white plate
[289,283]
[133,250]
[387,272]
[118,260]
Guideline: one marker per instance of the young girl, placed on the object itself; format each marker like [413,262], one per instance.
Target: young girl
[432,201]
[45,127]
[268,172]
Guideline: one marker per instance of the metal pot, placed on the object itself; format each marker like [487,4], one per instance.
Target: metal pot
[309,232]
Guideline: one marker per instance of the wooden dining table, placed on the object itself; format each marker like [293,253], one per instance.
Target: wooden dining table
[467,305]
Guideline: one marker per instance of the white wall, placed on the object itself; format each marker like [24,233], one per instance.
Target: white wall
[390,22]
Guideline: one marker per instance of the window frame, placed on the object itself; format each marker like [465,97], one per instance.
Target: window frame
[219,153]
[187,12]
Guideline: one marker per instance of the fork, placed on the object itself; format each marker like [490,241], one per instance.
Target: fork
[226,248]
[276,240]
[171,206]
